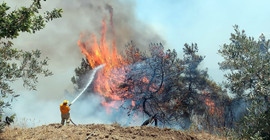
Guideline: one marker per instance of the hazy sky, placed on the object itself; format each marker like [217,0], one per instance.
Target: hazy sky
[173,22]
[206,22]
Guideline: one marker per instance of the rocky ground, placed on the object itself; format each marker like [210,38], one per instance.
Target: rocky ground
[100,131]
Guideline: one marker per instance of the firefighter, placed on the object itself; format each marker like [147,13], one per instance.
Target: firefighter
[65,116]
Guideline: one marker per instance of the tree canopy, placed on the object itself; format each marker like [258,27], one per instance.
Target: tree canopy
[15,63]
[247,62]
[159,83]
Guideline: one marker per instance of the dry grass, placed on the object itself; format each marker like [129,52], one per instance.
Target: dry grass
[207,136]
[201,134]
[102,131]
[95,131]
[24,123]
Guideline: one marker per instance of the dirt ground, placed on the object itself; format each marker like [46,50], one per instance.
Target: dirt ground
[99,131]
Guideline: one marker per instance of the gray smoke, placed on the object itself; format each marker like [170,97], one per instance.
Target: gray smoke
[58,41]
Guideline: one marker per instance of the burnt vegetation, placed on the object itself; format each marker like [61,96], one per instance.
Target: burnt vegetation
[159,83]
[175,91]
[172,91]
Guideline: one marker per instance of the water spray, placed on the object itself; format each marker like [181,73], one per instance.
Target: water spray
[90,81]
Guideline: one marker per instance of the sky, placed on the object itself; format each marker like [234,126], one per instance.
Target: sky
[208,23]
[171,22]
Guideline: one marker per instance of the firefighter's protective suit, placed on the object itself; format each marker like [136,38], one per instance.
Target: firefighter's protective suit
[65,116]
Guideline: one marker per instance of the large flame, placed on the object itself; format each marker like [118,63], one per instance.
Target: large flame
[101,53]
[109,80]
[104,52]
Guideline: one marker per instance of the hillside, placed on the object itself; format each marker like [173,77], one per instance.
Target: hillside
[100,131]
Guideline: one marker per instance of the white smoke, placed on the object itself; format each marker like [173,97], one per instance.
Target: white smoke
[58,41]
[31,112]
[91,78]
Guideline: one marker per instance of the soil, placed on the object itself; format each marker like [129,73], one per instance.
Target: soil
[99,131]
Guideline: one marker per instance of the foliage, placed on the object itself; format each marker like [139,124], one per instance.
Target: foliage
[248,63]
[255,124]
[80,72]
[24,19]
[17,64]
[175,89]
[8,121]
[151,83]
[133,54]
[203,99]
[248,77]
[159,83]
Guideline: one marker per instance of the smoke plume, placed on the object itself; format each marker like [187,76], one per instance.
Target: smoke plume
[58,41]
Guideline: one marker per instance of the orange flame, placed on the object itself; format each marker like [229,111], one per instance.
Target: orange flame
[104,53]
[113,74]
[133,103]
[213,109]
[211,105]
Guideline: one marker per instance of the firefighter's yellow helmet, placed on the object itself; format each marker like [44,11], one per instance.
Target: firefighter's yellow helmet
[65,102]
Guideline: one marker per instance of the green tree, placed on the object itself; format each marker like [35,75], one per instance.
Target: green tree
[80,72]
[247,62]
[15,63]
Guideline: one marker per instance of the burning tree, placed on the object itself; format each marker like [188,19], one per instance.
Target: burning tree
[149,84]
[206,99]
[155,83]
[161,84]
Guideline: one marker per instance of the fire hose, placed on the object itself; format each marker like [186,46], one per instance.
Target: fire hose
[72,122]
[90,81]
